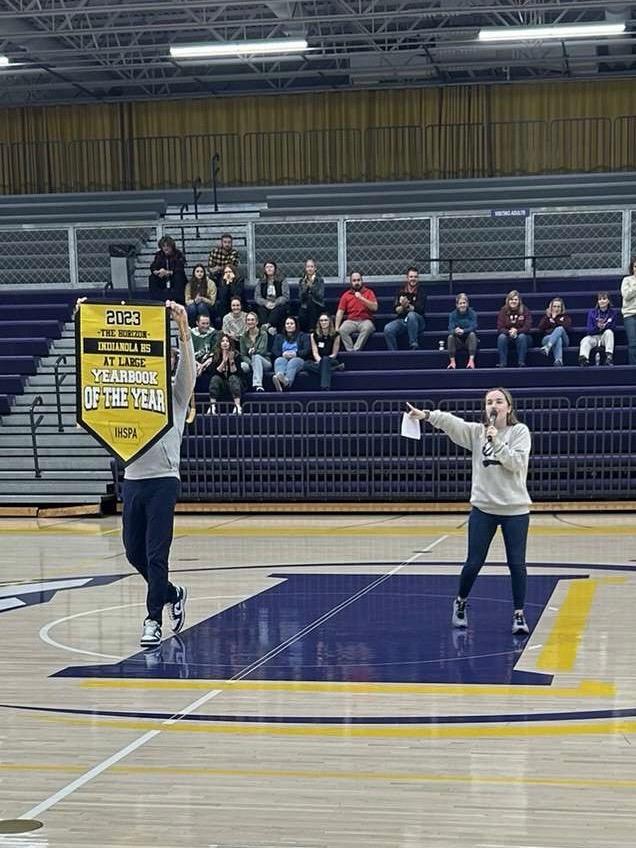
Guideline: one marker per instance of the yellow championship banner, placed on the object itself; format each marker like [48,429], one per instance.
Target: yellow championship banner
[124,392]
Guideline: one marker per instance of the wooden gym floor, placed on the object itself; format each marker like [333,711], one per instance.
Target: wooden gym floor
[318,695]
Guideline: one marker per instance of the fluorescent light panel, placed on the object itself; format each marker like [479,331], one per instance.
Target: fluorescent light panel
[540,33]
[239,48]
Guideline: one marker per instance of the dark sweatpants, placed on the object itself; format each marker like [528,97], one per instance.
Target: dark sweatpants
[148,517]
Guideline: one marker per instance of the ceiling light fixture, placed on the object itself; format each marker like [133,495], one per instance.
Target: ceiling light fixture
[239,48]
[559,31]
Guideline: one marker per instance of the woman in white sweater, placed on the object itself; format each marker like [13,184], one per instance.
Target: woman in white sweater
[628,293]
[500,446]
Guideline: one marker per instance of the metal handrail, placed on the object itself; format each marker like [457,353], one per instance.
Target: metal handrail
[34,425]
[183,208]
[216,169]
[61,360]
[196,194]
[532,257]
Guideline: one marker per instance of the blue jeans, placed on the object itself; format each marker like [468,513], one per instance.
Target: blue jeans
[196,309]
[520,341]
[288,367]
[557,340]
[630,331]
[147,519]
[482,526]
[411,326]
[323,368]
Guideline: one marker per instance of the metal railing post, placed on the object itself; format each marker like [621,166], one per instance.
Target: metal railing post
[73,259]
[196,194]
[216,169]
[61,360]
[34,425]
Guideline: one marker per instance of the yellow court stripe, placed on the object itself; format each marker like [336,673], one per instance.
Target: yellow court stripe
[561,647]
[584,689]
[315,774]
[468,731]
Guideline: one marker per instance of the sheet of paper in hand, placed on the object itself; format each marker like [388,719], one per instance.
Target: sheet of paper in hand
[411,428]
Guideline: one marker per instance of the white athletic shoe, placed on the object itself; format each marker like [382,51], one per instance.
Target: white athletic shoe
[460,619]
[151,635]
[177,610]
[519,624]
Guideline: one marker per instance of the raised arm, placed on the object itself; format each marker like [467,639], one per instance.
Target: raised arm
[185,376]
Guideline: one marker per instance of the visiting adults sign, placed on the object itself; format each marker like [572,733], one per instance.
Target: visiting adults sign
[124,396]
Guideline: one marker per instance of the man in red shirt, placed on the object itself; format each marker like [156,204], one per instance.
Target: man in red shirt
[355,310]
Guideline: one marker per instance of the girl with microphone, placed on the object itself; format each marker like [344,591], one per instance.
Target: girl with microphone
[500,446]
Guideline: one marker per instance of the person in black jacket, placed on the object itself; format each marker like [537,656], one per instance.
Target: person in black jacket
[410,308]
[311,292]
[229,284]
[168,271]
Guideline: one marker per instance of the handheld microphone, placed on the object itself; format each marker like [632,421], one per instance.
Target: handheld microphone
[493,418]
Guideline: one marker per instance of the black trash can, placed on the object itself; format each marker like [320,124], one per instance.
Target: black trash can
[122,265]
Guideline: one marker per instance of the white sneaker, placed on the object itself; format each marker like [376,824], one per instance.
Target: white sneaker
[238,410]
[460,619]
[277,380]
[177,610]
[151,635]
[212,409]
[519,624]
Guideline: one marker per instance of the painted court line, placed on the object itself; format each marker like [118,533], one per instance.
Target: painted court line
[326,616]
[44,632]
[67,790]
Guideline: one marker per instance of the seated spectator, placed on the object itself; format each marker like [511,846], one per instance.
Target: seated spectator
[290,349]
[167,271]
[601,320]
[554,325]
[628,309]
[311,291]
[355,311]
[271,295]
[204,340]
[223,254]
[229,284]
[513,323]
[234,321]
[200,294]
[410,307]
[225,369]
[325,344]
[253,346]
[462,323]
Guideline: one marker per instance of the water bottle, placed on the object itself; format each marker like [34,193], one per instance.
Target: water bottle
[597,358]
[441,344]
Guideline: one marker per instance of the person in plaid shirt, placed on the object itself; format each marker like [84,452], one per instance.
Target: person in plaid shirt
[223,254]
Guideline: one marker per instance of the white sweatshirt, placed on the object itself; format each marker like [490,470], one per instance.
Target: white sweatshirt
[500,467]
[628,293]
[162,459]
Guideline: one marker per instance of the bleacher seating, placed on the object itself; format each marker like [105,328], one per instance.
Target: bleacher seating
[346,444]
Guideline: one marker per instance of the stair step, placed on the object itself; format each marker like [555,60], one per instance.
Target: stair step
[95,453]
[95,465]
[57,499]
[73,441]
[54,474]
[52,487]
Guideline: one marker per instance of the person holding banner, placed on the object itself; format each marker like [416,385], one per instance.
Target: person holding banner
[500,447]
[149,493]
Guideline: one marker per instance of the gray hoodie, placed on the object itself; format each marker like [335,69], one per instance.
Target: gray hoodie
[162,459]
[500,467]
